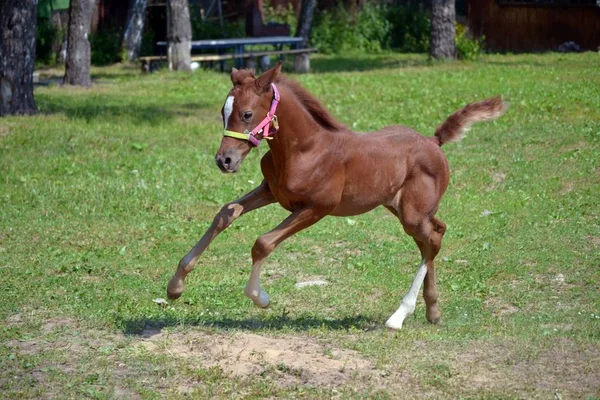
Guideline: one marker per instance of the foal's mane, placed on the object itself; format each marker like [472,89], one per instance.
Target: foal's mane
[311,104]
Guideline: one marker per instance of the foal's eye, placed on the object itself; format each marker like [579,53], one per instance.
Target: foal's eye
[247,116]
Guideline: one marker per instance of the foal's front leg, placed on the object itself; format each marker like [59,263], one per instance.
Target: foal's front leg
[265,244]
[259,197]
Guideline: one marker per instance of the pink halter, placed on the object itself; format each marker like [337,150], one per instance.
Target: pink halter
[263,127]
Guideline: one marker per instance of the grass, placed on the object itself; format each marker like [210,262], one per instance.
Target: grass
[104,190]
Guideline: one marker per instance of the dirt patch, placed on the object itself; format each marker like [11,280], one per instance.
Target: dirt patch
[497,179]
[57,324]
[562,367]
[499,307]
[594,241]
[14,320]
[5,129]
[417,368]
[291,360]
[567,187]
[566,368]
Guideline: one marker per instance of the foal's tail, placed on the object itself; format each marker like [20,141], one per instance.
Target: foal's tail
[457,125]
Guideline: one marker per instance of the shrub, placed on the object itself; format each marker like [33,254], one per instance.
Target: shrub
[282,15]
[345,31]
[47,35]
[410,29]
[148,42]
[203,28]
[105,46]
[467,46]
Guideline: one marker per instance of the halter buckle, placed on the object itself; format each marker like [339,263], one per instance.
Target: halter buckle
[275,124]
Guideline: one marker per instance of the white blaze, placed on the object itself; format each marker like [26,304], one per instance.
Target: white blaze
[227,109]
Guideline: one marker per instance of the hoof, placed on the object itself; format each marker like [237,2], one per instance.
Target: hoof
[262,301]
[393,326]
[267,306]
[434,321]
[173,296]
[174,288]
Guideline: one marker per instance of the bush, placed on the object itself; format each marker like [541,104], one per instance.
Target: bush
[282,15]
[105,46]
[210,29]
[410,29]
[148,42]
[345,31]
[467,46]
[47,35]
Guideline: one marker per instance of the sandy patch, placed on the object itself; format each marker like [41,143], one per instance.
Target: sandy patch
[290,360]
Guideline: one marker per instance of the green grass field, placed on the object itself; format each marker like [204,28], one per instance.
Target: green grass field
[104,190]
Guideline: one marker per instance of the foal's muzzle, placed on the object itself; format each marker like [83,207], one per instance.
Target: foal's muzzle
[229,161]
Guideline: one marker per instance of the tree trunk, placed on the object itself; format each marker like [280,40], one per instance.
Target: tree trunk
[132,39]
[77,63]
[443,18]
[305,21]
[17,56]
[179,35]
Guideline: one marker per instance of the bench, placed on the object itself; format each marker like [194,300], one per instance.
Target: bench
[239,54]
[301,64]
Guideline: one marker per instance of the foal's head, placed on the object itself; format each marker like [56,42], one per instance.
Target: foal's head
[246,106]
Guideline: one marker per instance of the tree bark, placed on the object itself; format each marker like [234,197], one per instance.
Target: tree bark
[443,18]
[179,35]
[17,56]
[77,63]
[305,21]
[132,39]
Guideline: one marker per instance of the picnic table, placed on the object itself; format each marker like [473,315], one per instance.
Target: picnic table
[239,49]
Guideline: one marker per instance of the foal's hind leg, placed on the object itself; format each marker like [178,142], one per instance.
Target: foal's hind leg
[428,251]
[428,236]
[416,215]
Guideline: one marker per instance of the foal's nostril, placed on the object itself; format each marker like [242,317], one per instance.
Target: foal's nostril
[227,161]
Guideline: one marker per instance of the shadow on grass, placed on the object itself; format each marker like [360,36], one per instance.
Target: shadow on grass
[519,63]
[366,63]
[141,325]
[90,109]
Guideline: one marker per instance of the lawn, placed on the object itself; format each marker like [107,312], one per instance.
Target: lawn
[104,190]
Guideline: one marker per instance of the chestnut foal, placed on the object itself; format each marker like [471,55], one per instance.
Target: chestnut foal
[317,167]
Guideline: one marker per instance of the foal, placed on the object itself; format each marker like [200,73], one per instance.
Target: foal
[316,167]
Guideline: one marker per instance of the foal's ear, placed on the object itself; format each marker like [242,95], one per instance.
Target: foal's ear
[235,76]
[264,81]
[239,77]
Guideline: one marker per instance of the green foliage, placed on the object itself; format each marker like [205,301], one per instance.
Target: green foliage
[410,29]
[282,15]
[46,35]
[350,31]
[212,30]
[148,42]
[203,28]
[467,46]
[105,46]
[373,28]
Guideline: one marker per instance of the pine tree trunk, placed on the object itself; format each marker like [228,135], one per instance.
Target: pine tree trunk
[305,21]
[443,18]
[179,35]
[132,39]
[77,63]
[17,56]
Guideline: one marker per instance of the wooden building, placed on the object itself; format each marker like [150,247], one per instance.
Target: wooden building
[535,25]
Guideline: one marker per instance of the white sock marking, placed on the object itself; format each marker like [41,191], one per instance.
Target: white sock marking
[227,109]
[253,290]
[409,301]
